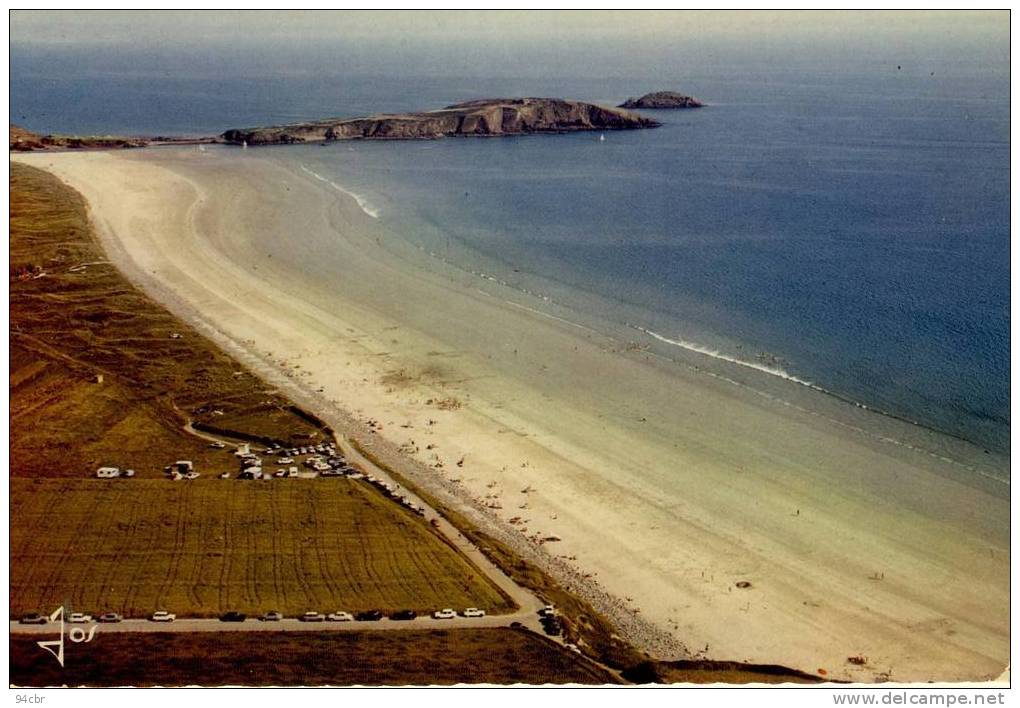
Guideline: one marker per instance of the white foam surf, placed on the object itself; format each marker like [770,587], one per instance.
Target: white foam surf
[365,205]
[716,354]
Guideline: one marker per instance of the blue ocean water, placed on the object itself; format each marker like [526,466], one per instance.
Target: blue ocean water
[850,228]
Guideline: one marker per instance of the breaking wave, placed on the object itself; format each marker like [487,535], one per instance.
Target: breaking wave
[365,205]
[716,354]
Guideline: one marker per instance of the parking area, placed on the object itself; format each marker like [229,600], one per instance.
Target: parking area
[296,624]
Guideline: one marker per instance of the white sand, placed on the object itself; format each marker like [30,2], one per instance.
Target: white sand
[667,484]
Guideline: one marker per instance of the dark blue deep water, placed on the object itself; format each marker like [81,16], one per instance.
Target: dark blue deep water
[849,227]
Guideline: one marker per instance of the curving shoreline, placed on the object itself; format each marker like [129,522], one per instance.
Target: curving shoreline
[596,486]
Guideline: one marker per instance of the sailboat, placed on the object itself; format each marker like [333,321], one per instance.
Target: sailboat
[602,138]
[244,144]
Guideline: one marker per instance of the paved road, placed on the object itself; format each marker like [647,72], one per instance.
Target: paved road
[284,625]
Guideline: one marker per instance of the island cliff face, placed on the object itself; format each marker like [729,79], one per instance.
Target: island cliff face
[486,117]
[662,99]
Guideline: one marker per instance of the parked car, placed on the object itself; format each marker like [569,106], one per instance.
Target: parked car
[403,615]
[285,461]
[272,616]
[217,445]
[548,611]
[34,619]
[192,475]
[474,612]
[444,614]
[369,616]
[552,626]
[109,617]
[233,617]
[163,616]
[225,475]
[79,618]
[340,617]
[313,617]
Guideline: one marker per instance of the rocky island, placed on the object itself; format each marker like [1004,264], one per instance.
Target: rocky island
[485,117]
[662,99]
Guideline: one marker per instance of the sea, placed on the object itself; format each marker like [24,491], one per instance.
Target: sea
[842,227]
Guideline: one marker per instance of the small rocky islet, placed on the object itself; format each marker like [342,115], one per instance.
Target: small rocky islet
[662,99]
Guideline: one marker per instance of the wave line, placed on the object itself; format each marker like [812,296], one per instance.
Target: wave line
[716,354]
[365,205]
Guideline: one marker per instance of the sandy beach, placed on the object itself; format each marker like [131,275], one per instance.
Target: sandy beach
[665,485]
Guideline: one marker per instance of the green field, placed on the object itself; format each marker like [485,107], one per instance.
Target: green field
[205,547]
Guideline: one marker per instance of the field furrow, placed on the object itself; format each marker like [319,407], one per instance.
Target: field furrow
[205,547]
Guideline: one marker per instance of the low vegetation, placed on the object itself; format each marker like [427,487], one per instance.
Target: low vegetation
[499,656]
[101,375]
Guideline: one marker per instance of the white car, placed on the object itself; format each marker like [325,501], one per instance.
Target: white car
[163,616]
[285,461]
[340,617]
[445,614]
[474,612]
[79,618]
[312,616]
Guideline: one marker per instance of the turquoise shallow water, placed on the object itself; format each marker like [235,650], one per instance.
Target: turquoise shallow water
[849,229]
